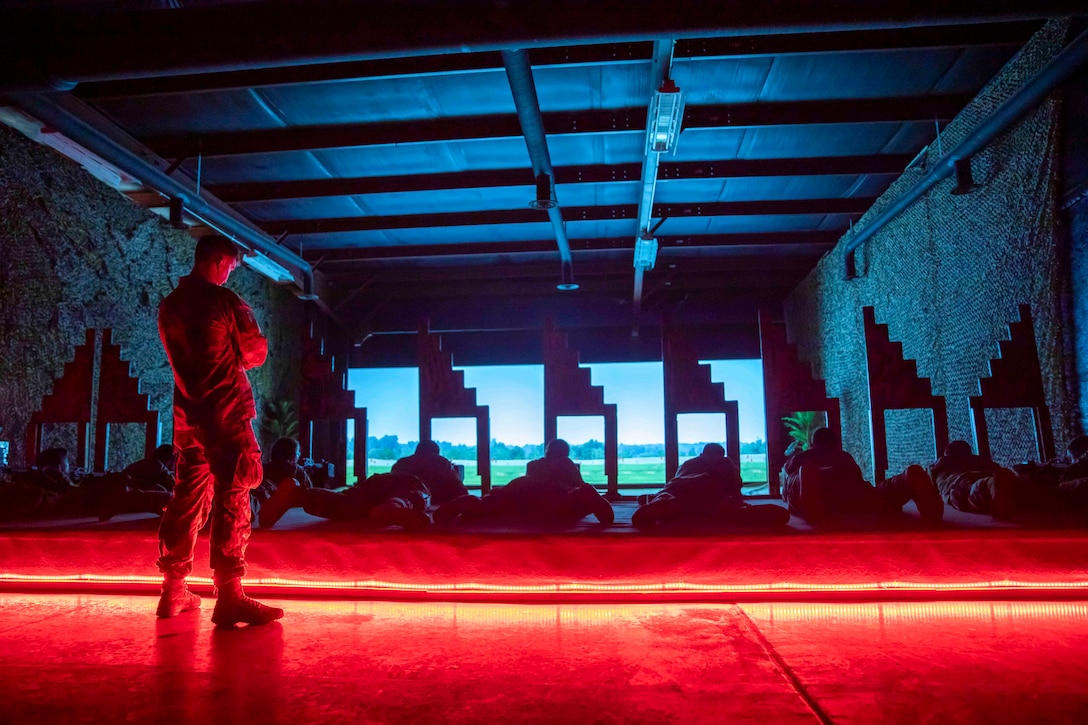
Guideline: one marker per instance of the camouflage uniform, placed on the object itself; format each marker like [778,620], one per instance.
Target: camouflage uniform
[436,471]
[211,338]
[400,490]
[847,491]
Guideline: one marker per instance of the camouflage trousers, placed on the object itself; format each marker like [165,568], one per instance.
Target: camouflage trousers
[216,471]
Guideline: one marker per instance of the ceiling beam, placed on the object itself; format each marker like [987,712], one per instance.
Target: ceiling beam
[811,166]
[402,284]
[851,110]
[304,138]
[424,65]
[1010,33]
[492,178]
[619,270]
[52,45]
[904,38]
[584,213]
[303,189]
[338,257]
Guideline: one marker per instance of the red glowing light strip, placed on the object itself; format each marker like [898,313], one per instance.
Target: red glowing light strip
[274,583]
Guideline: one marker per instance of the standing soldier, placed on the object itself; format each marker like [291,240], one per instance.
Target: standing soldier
[211,338]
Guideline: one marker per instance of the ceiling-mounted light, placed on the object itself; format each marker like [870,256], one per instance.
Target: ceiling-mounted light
[645,252]
[965,182]
[566,282]
[270,269]
[666,117]
[545,199]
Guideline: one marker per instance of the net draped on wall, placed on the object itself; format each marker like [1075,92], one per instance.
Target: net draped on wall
[947,275]
[79,255]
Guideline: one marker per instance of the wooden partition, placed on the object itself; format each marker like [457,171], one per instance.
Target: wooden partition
[894,385]
[325,408]
[689,389]
[788,387]
[568,390]
[120,401]
[70,402]
[1016,381]
[442,394]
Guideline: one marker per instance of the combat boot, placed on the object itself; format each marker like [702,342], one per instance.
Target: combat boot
[232,607]
[176,598]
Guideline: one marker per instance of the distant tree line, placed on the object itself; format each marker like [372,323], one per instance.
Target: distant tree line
[390,448]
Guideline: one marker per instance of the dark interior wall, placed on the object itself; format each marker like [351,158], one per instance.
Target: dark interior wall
[947,276]
[78,254]
[1075,216]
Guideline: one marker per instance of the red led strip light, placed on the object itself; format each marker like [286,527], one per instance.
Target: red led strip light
[276,584]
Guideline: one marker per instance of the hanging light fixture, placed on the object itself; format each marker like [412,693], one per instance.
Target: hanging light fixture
[645,252]
[545,199]
[566,280]
[965,181]
[666,117]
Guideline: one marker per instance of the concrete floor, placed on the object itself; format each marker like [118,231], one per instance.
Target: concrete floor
[105,658]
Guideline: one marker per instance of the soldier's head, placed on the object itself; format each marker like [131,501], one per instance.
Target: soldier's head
[957,449]
[824,439]
[216,257]
[166,455]
[56,458]
[713,450]
[427,448]
[285,449]
[558,448]
[1077,449]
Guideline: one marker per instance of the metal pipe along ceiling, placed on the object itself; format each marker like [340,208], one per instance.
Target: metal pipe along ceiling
[1061,67]
[64,114]
[520,75]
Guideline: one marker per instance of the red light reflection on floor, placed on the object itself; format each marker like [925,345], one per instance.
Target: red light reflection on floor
[104,658]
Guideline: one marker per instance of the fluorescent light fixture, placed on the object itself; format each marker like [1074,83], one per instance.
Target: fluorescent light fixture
[645,252]
[265,266]
[666,116]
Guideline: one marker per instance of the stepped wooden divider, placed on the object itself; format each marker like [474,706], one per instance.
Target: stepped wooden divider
[1016,381]
[788,387]
[894,384]
[69,403]
[689,389]
[120,401]
[326,407]
[442,394]
[568,391]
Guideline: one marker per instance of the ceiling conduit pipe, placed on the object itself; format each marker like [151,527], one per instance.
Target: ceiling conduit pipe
[1063,65]
[63,114]
[520,75]
[659,71]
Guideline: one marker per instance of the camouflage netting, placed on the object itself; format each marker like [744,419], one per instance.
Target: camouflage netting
[947,276]
[78,254]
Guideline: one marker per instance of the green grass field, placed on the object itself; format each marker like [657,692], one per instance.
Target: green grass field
[647,476]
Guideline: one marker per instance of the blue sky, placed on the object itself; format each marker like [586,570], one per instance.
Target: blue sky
[515,394]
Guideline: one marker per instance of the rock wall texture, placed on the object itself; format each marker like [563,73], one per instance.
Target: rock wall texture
[77,254]
[947,276]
